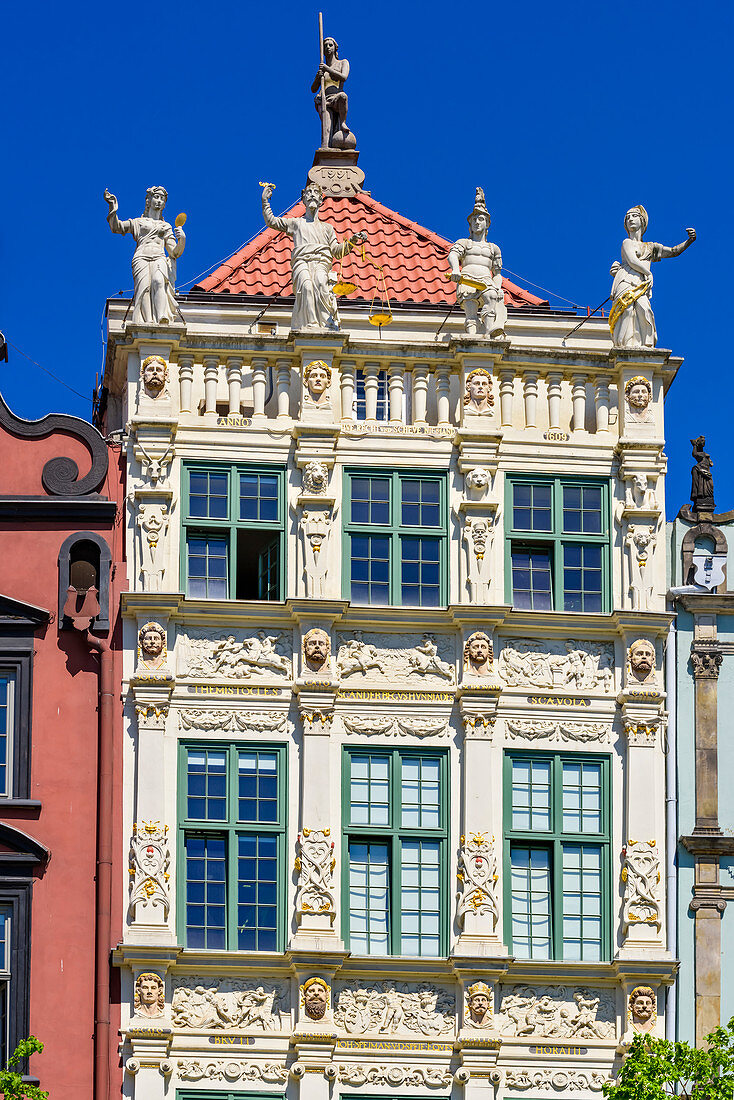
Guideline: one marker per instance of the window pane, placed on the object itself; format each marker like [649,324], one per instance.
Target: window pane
[206,567]
[7,685]
[420,903]
[4,940]
[532,586]
[370,500]
[369,898]
[582,577]
[208,495]
[206,891]
[257,892]
[360,404]
[258,786]
[420,571]
[581,797]
[531,507]
[259,497]
[530,881]
[582,509]
[420,792]
[420,503]
[370,790]
[531,795]
[206,791]
[582,902]
[370,569]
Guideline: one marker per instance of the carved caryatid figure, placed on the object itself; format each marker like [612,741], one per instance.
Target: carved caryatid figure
[315,246]
[631,319]
[149,995]
[640,541]
[154,271]
[330,95]
[476,265]
[153,520]
[702,480]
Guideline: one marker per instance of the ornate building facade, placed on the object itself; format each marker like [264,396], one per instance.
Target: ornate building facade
[394,766]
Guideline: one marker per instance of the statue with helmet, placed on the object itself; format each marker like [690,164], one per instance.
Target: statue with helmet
[476,267]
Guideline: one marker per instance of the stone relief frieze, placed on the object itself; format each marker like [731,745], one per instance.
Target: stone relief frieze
[233,721]
[570,665]
[556,1012]
[389,1008]
[389,725]
[528,730]
[420,1076]
[230,1004]
[205,654]
[380,657]
[199,1069]
[571,1080]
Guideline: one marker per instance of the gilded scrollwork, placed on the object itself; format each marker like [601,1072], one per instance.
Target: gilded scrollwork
[478,878]
[641,877]
[150,859]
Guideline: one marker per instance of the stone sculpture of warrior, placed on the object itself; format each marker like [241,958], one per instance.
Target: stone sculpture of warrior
[476,265]
[333,71]
[315,247]
[631,320]
[154,272]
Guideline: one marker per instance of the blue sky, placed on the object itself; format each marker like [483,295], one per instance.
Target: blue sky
[566,114]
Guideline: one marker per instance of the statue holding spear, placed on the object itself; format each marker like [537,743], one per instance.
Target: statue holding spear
[331,99]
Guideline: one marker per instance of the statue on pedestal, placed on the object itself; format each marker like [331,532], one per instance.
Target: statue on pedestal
[331,99]
[631,320]
[476,266]
[702,480]
[315,247]
[154,272]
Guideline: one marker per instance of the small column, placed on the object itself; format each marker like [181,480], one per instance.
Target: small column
[186,381]
[554,399]
[234,384]
[211,377]
[346,375]
[578,383]
[507,389]
[259,367]
[443,381]
[371,384]
[601,394]
[706,661]
[283,387]
[530,392]
[395,385]
[420,394]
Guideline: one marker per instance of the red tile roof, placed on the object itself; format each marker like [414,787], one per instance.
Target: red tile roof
[413,258]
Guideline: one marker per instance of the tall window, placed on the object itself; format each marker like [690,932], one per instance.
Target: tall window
[558,544]
[234,533]
[395,845]
[7,727]
[232,826]
[396,538]
[5,1007]
[557,849]
[360,399]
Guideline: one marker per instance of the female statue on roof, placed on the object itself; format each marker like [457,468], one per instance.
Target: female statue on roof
[631,320]
[315,247]
[154,272]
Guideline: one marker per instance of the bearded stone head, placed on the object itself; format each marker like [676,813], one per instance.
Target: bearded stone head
[315,998]
[316,648]
[642,659]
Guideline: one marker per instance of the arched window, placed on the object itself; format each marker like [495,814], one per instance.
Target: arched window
[84,563]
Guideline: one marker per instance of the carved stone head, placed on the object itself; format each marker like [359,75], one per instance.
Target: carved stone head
[478,394]
[479,999]
[317,379]
[638,393]
[642,1008]
[478,478]
[479,529]
[315,477]
[151,641]
[641,658]
[154,372]
[150,995]
[155,202]
[312,196]
[316,649]
[478,654]
[636,218]
[315,998]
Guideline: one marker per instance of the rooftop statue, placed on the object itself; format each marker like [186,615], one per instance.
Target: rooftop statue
[631,320]
[331,99]
[315,247]
[702,480]
[476,266]
[154,272]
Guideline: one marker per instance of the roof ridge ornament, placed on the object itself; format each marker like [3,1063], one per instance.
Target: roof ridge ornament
[335,162]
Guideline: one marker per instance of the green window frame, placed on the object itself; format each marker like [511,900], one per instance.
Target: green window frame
[557,852]
[395,538]
[232,1094]
[557,543]
[231,891]
[395,851]
[233,537]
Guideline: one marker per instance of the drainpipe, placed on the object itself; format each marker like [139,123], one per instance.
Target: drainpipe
[103,922]
[671,824]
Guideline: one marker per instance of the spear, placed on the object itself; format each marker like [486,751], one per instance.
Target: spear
[324,115]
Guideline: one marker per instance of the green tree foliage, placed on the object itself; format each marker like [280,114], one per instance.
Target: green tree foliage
[11,1081]
[656,1069]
